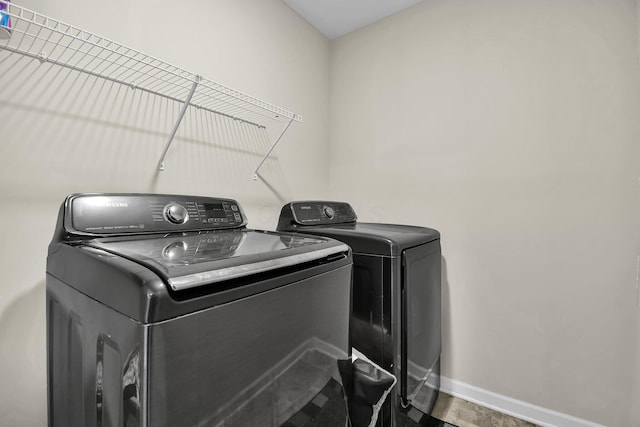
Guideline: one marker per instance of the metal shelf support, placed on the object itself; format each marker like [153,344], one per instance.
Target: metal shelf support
[178,121]
[266,156]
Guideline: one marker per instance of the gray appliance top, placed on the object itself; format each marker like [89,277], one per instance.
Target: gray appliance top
[189,260]
[338,221]
[153,256]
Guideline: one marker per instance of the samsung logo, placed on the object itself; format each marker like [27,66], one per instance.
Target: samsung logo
[117,204]
[107,204]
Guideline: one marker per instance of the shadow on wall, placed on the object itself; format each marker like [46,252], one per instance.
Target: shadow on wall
[23,383]
[63,129]
[447,350]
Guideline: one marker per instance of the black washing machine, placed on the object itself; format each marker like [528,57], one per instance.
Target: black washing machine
[165,311]
[396,312]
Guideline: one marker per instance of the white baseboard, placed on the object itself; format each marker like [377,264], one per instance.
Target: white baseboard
[516,408]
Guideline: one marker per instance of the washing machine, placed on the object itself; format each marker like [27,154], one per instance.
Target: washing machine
[165,311]
[396,313]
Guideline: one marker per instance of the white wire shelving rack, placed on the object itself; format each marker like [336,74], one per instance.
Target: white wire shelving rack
[49,40]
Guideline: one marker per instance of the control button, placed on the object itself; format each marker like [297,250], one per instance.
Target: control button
[176,213]
[328,212]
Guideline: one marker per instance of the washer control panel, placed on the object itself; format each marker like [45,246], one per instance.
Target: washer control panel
[318,213]
[116,214]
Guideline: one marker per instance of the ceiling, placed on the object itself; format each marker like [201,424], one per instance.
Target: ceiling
[335,18]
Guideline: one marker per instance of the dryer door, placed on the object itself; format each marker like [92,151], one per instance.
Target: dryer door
[420,326]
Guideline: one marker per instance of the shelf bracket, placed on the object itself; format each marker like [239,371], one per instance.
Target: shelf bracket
[255,173]
[187,102]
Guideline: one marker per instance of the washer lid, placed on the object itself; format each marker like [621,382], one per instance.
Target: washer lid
[190,260]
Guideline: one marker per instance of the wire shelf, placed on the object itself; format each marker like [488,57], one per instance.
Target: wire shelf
[28,33]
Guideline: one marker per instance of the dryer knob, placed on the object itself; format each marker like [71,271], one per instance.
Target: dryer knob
[328,212]
[176,213]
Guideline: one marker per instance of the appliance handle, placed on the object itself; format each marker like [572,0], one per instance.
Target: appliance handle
[213,276]
[404,332]
[100,367]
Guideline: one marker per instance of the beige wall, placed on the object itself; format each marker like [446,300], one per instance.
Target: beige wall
[89,136]
[635,396]
[515,124]
[512,127]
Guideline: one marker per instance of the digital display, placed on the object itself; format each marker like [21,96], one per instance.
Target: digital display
[214,210]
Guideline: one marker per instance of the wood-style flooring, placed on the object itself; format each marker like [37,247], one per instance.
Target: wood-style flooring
[467,414]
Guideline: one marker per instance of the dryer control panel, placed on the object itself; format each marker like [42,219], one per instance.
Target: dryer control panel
[317,213]
[118,214]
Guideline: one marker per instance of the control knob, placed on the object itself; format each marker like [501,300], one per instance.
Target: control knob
[176,214]
[328,212]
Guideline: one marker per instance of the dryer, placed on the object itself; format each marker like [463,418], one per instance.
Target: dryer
[396,313]
[165,310]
